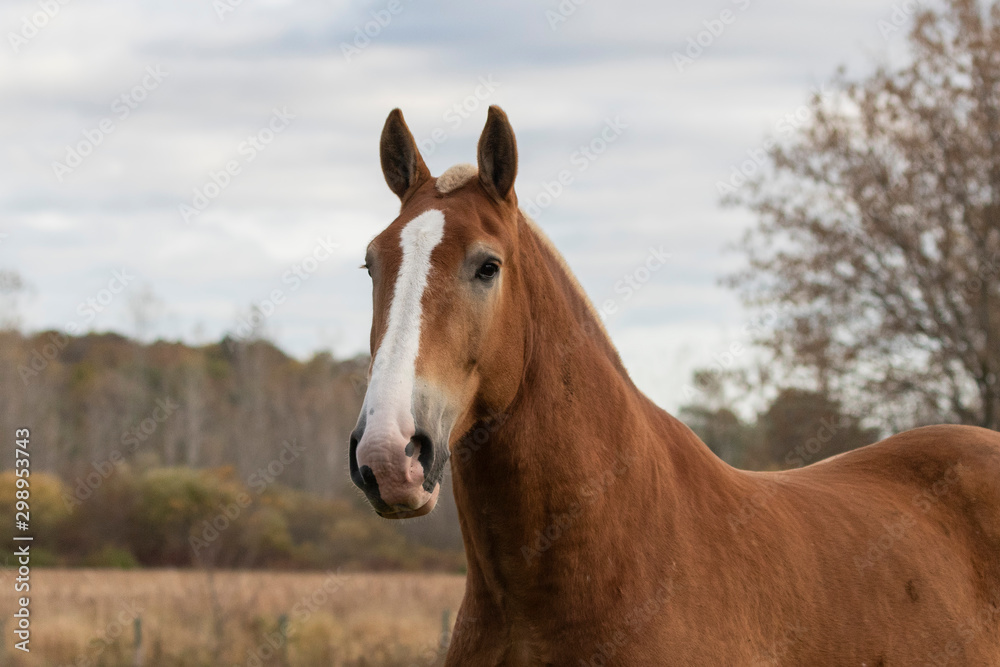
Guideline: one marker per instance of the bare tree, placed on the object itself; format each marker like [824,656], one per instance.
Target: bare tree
[12,287]
[145,309]
[878,235]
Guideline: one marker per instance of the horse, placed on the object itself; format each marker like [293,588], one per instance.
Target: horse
[600,530]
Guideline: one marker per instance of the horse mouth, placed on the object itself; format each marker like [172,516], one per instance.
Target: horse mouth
[407,513]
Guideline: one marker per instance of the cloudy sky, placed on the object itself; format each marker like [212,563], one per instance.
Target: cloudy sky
[119,121]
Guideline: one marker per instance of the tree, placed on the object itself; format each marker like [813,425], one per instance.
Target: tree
[802,427]
[12,287]
[878,233]
[728,436]
[797,428]
[144,309]
[713,416]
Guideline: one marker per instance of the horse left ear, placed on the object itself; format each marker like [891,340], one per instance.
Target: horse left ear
[402,165]
[498,155]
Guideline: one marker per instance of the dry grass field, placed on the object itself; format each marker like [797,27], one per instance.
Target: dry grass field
[189,617]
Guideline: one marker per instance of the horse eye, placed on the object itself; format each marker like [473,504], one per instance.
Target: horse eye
[488,271]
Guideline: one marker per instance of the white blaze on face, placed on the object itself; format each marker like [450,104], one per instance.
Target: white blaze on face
[388,402]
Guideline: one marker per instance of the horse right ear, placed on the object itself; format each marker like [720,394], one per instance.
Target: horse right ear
[402,165]
[498,155]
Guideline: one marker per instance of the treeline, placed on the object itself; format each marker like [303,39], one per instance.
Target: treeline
[797,428]
[87,399]
[101,401]
[116,516]
[235,455]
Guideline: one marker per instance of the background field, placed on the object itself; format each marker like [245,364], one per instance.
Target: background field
[86,617]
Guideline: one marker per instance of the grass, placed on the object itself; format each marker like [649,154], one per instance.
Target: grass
[190,617]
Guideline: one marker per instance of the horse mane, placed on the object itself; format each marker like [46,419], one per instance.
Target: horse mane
[580,304]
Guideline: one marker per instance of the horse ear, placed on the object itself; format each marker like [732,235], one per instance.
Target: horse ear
[498,155]
[402,165]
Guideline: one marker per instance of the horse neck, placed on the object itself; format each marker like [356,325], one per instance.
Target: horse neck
[579,441]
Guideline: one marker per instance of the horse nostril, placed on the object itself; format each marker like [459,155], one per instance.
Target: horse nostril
[426,453]
[367,476]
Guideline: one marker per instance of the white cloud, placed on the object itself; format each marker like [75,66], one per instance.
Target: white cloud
[321,176]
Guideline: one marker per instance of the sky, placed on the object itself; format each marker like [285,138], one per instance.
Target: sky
[168,165]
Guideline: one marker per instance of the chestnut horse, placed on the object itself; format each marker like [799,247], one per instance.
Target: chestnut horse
[598,529]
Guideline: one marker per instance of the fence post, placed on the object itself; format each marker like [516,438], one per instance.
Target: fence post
[445,629]
[137,632]
[283,631]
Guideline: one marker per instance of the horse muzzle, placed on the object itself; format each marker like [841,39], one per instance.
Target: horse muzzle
[397,464]
[393,471]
